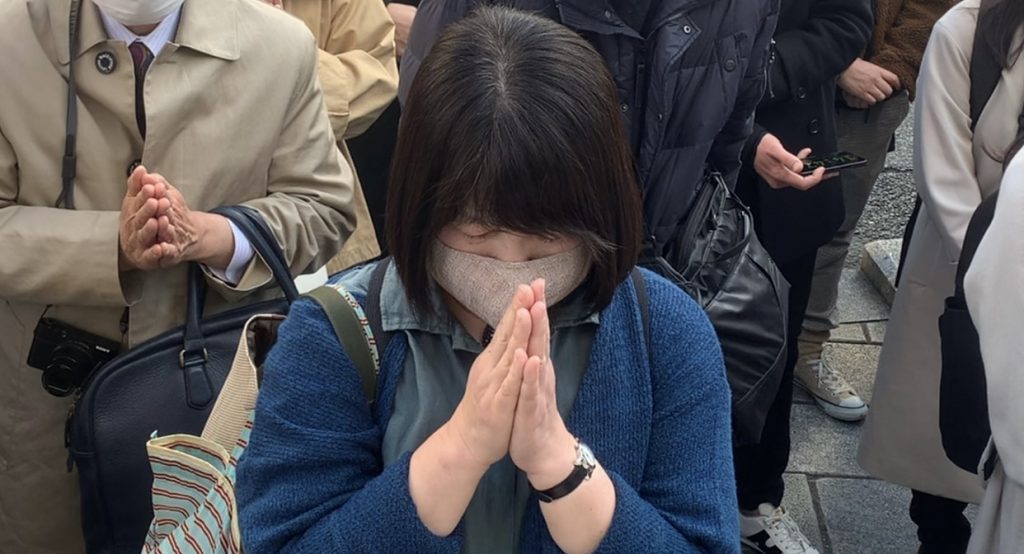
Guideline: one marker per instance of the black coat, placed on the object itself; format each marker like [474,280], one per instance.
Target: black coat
[815,40]
[687,91]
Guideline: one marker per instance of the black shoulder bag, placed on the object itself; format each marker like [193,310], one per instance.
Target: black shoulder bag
[165,385]
[963,400]
[717,259]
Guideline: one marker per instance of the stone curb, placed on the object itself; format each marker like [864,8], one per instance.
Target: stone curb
[879,263]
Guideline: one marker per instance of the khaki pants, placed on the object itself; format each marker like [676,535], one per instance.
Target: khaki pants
[866,133]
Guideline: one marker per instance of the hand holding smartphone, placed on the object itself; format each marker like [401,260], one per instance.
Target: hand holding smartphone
[832,162]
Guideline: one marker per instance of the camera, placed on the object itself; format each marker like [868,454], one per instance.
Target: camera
[67,355]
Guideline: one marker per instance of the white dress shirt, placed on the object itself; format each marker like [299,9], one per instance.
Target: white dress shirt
[155,41]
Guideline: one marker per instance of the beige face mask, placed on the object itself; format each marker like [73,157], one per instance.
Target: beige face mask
[485,285]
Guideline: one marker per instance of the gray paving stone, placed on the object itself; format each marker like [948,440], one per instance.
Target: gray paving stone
[800,506]
[822,445]
[863,515]
[876,331]
[886,213]
[858,299]
[880,263]
[857,363]
[849,332]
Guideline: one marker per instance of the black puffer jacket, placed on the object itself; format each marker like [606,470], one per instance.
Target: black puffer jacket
[688,91]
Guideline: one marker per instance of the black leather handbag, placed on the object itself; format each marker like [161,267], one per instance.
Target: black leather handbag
[716,258]
[165,385]
[963,398]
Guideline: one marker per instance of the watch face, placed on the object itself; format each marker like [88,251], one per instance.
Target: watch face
[586,456]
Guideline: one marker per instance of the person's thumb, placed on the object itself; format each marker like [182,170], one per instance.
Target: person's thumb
[135,180]
[521,298]
[796,163]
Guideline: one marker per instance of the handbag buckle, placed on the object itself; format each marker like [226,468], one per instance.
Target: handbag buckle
[181,357]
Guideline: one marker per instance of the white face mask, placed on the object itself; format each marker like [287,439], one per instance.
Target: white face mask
[138,12]
[485,285]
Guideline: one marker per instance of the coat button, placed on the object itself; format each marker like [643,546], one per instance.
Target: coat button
[625,107]
[661,117]
[687,29]
[608,15]
[106,63]
[814,126]
[730,64]
[132,166]
[801,93]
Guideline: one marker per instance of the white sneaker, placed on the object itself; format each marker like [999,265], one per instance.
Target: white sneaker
[772,531]
[829,389]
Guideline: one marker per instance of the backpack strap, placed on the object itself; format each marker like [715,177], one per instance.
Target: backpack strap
[645,304]
[353,331]
[985,72]
[979,223]
[372,307]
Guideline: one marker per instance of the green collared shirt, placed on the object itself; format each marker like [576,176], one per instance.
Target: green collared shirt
[433,381]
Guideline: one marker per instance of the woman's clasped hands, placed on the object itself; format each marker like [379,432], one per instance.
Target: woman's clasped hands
[509,406]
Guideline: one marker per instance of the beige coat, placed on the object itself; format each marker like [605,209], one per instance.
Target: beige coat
[954,171]
[995,296]
[234,114]
[359,78]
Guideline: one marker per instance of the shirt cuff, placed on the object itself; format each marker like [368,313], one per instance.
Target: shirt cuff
[239,259]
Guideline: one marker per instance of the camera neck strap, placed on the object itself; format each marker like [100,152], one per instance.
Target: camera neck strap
[67,194]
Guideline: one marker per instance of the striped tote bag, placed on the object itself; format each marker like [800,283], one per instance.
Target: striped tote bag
[194,477]
[194,495]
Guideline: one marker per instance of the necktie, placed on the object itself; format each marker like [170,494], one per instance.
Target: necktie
[141,58]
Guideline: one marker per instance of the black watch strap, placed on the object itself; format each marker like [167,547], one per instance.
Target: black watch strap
[572,482]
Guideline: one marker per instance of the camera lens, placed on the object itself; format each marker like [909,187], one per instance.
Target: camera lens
[71,363]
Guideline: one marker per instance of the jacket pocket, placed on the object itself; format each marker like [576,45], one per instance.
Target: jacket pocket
[732,65]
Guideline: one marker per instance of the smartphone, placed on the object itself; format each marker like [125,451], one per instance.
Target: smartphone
[832,162]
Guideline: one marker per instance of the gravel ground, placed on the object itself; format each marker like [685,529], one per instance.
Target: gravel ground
[891,200]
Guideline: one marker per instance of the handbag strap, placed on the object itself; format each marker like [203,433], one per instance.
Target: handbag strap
[232,412]
[353,331]
[193,357]
[252,225]
[645,304]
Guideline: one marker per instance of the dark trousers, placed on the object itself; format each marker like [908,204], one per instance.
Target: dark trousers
[942,527]
[759,467]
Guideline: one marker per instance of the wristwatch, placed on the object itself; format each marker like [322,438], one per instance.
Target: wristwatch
[582,469]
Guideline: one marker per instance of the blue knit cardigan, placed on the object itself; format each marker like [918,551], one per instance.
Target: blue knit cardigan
[312,478]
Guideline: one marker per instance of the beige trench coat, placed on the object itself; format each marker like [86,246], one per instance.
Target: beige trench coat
[234,115]
[359,77]
[954,170]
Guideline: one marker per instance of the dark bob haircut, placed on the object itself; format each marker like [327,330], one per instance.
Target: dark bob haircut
[512,122]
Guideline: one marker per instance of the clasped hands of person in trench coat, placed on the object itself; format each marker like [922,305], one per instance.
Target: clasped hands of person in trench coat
[157,229]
